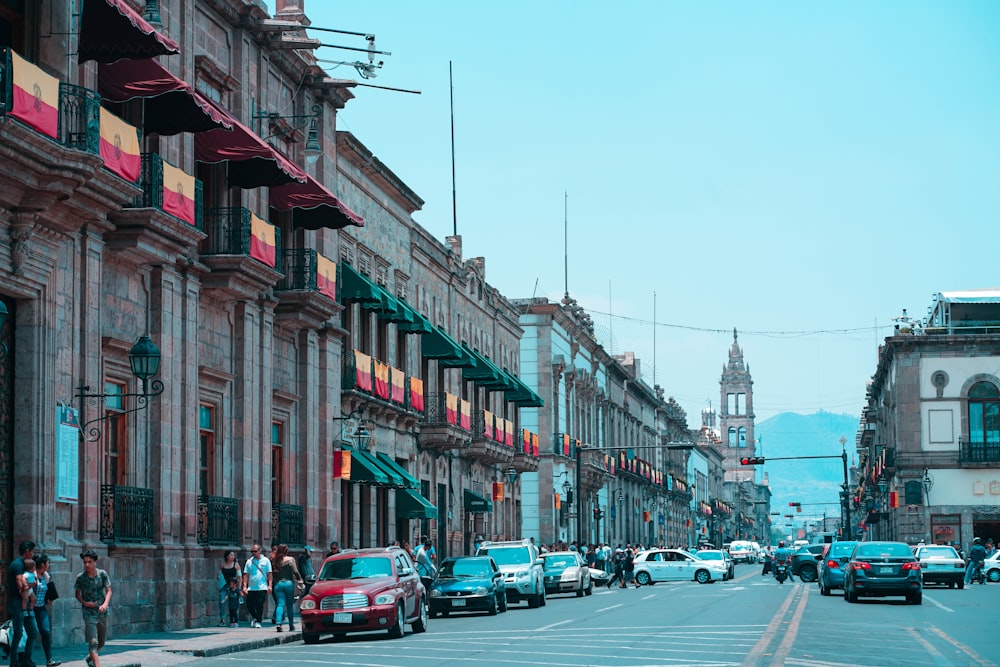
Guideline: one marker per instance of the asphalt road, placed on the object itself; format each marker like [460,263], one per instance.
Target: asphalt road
[751,620]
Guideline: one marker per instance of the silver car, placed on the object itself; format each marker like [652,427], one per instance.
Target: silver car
[567,572]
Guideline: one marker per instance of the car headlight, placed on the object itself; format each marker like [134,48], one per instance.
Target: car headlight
[385,598]
[307,603]
[521,574]
[436,593]
[480,590]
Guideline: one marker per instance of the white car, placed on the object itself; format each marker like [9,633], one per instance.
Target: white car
[675,565]
[741,551]
[991,566]
[720,560]
[567,572]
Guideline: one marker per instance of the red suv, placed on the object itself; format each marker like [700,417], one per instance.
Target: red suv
[364,590]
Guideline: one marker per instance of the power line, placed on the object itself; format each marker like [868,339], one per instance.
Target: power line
[750,332]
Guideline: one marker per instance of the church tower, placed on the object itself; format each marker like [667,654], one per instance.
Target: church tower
[736,415]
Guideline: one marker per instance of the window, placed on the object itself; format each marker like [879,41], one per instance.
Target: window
[12,24]
[984,413]
[115,444]
[742,439]
[732,437]
[277,462]
[206,452]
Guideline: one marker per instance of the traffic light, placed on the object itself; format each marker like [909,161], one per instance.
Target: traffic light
[752,461]
[797,506]
[598,514]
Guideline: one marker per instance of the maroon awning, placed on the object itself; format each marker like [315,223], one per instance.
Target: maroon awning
[170,106]
[253,163]
[111,30]
[313,206]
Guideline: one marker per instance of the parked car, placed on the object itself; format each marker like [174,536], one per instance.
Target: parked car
[599,577]
[878,569]
[832,564]
[805,563]
[362,590]
[717,555]
[656,565]
[991,567]
[468,583]
[567,572]
[521,564]
[941,564]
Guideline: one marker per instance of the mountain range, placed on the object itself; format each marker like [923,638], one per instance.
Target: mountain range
[815,483]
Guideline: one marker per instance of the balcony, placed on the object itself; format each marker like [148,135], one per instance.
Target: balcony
[218,521]
[979,453]
[299,267]
[151,182]
[383,391]
[440,429]
[235,274]
[79,118]
[229,231]
[485,446]
[126,514]
[288,525]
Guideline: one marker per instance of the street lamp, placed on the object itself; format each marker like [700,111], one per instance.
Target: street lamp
[361,436]
[511,474]
[144,360]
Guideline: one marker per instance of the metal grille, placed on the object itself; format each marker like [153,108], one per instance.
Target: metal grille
[126,514]
[344,601]
[218,522]
[979,452]
[151,181]
[229,231]
[288,524]
[79,118]
[299,267]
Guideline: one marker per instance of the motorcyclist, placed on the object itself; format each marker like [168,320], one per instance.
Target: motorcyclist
[977,554]
[783,555]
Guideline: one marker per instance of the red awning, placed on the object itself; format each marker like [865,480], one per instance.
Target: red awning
[253,163]
[111,30]
[313,206]
[177,106]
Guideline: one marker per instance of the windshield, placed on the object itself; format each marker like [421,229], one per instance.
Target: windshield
[356,568]
[559,562]
[838,549]
[508,556]
[465,567]
[938,552]
[876,550]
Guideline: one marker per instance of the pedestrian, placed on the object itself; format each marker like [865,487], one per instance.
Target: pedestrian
[93,590]
[274,594]
[229,568]
[425,566]
[28,594]
[21,623]
[256,584]
[233,602]
[288,585]
[45,594]
[304,562]
[334,549]
[629,568]
[618,565]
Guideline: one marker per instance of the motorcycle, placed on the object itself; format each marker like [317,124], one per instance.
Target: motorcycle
[781,572]
[979,574]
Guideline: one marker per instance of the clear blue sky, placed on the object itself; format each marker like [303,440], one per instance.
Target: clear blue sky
[777,167]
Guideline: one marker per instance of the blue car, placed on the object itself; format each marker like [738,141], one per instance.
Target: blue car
[468,583]
[831,566]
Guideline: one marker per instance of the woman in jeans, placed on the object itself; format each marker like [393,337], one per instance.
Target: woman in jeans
[286,574]
[42,609]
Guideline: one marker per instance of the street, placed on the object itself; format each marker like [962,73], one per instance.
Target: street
[751,620]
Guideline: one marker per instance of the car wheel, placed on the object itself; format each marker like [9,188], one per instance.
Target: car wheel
[541,598]
[503,602]
[849,596]
[396,631]
[993,575]
[915,598]
[643,579]
[420,625]
[492,607]
[590,588]
[823,590]
[310,638]
[807,574]
[702,576]
[534,601]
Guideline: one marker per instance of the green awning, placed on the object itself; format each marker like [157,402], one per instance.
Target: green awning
[355,288]
[523,395]
[364,469]
[475,502]
[412,505]
[419,323]
[440,346]
[388,463]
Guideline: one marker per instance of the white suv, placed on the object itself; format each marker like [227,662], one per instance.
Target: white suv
[523,570]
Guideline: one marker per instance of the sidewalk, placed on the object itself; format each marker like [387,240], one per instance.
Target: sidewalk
[163,649]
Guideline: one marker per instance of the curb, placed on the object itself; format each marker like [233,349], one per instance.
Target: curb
[248,645]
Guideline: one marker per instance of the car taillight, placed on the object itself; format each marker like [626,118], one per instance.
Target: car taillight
[861,565]
[911,566]
[833,564]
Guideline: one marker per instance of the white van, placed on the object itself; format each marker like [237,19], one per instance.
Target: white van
[741,551]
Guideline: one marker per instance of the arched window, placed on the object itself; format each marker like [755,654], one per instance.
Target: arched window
[732,437]
[984,413]
[742,442]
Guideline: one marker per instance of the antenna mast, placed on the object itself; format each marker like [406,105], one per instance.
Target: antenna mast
[566,245]
[454,207]
[654,338]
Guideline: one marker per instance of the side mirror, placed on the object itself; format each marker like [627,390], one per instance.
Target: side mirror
[405,572]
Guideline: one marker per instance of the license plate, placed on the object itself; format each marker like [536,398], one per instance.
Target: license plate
[458,603]
[342,617]
[886,570]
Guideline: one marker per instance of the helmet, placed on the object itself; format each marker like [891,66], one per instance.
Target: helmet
[977,540]
[781,544]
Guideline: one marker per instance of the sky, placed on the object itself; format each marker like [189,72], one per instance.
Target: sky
[801,172]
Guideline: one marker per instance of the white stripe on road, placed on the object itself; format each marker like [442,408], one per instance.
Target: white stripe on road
[549,627]
[937,604]
[614,606]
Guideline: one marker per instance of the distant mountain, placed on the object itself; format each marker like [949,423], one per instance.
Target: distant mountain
[807,481]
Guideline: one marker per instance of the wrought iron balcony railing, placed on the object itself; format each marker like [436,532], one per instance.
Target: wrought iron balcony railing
[288,524]
[218,520]
[229,231]
[979,451]
[151,181]
[79,118]
[126,514]
[299,267]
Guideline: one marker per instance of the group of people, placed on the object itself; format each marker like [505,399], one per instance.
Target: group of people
[31,591]
[277,575]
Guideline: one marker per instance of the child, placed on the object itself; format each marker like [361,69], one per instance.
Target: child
[233,601]
[31,579]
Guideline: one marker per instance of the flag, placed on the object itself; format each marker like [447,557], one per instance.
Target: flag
[326,276]
[397,383]
[508,427]
[36,96]
[381,379]
[465,415]
[178,193]
[534,444]
[262,241]
[558,502]
[120,147]
[362,371]
[565,444]
[498,429]
[487,424]
[417,394]
[498,491]
[342,465]
[525,441]
[451,408]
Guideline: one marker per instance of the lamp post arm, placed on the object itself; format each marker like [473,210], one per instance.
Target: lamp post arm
[142,399]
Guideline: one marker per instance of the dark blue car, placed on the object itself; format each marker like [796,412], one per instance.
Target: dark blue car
[878,569]
[832,565]
[468,583]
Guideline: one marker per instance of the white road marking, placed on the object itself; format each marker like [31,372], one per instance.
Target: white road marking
[614,606]
[549,627]
[937,604]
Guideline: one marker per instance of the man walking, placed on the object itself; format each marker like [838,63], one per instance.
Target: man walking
[257,584]
[93,590]
[22,621]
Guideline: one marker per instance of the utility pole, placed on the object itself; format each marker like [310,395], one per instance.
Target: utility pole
[847,493]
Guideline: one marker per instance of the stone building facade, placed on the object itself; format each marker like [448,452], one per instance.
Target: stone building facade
[302,319]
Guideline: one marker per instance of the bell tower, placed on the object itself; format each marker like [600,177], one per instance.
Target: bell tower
[736,415]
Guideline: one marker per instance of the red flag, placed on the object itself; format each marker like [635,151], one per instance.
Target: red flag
[326,276]
[381,379]
[397,383]
[465,415]
[362,371]
[36,96]
[498,491]
[417,394]
[487,424]
[178,193]
[451,408]
[342,465]
[120,147]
